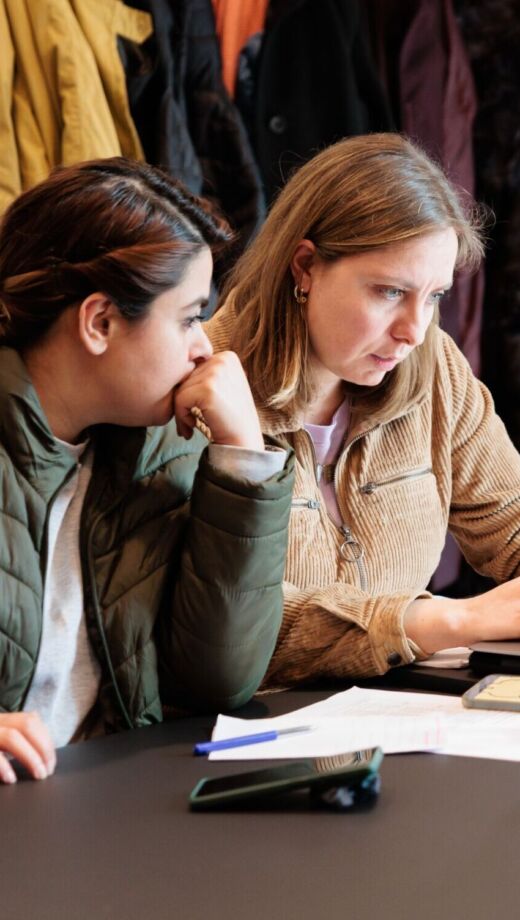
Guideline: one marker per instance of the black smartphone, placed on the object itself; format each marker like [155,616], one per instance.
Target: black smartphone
[339,782]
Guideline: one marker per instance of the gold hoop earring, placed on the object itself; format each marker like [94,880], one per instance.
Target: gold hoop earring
[299,295]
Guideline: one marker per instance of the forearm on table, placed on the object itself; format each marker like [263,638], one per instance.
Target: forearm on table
[435,623]
[334,632]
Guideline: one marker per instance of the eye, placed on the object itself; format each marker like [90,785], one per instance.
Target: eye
[390,293]
[437,296]
[191,321]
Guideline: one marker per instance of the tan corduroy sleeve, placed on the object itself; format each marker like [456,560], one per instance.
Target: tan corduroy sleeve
[485,476]
[339,631]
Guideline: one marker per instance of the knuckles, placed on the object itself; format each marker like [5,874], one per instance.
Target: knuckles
[9,735]
[19,722]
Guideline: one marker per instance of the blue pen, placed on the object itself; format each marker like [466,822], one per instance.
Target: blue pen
[205,747]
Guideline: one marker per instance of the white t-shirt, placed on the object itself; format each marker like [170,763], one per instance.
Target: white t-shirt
[66,681]
[328,440]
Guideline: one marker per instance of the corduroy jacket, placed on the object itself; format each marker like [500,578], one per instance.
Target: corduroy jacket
[182,602]
[445,462]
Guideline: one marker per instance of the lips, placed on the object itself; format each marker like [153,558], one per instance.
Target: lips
[389,357]
[385,363]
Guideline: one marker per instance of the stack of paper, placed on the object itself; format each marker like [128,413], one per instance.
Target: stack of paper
[357,719]
[339,725]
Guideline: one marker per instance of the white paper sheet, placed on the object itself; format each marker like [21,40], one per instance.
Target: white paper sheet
[338,726]
[358,718]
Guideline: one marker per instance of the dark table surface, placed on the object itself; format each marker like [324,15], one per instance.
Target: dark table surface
[110,836]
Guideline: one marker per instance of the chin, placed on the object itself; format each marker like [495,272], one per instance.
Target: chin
[159,419]
[370,379]
[162,412]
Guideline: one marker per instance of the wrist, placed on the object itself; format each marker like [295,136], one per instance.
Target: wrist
[248,442]
[438,623]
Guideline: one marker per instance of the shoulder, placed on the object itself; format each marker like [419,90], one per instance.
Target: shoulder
[452,370]
[457,392]
[449,353]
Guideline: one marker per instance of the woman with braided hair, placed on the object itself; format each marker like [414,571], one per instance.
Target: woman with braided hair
[118,595]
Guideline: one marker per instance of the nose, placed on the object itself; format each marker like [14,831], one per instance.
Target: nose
[201,347]
[412,323]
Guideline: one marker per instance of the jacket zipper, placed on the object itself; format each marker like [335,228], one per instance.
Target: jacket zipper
[43,569]
[370,487]
[305,503]
[351,550]
[90,592]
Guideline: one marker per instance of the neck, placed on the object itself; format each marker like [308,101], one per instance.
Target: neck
[57,384]
[325,403]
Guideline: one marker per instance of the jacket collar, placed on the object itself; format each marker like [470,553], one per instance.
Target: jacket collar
[24,430]
[33,449]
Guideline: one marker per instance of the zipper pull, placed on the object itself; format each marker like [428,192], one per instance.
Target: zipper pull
[311,503]
[350,549]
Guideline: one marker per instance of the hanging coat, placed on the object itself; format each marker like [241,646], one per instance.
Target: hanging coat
[491,30]
[438,106]
[63,95]
[185,118]
[316,83]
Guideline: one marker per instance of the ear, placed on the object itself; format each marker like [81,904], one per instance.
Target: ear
[97,316]
[301,264]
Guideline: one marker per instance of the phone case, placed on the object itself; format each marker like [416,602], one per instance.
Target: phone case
[355,770]
[496,691]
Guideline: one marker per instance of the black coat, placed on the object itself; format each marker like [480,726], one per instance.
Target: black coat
[492,32]
[185,118]
[315,84]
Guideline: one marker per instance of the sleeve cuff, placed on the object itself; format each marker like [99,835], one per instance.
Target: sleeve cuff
[254,465]
[390,645]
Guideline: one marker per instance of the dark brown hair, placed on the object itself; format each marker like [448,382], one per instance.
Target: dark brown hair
[116,226]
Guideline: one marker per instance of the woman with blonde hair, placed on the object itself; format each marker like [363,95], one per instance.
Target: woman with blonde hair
[334,313]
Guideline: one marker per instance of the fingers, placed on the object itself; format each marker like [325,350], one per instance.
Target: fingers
[220,389]
[39,737]
[24,737]
[184,420]
[7,774]
[194,391]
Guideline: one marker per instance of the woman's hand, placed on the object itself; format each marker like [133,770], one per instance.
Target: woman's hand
[218,386]
[24,736]
[436,623]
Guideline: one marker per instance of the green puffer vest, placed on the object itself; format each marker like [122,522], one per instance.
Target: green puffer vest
[183,603]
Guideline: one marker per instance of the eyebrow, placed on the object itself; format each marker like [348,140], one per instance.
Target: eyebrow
[201,302]
[409,285]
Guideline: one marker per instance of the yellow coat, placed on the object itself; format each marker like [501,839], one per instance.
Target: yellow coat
[62,86]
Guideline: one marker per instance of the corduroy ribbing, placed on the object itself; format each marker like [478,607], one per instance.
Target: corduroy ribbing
[446,462]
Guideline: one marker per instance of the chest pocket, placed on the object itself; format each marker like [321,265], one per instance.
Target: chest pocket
[406,476]
[408,509]
[408,496]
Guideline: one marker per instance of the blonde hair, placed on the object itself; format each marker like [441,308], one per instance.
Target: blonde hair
[360,194]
